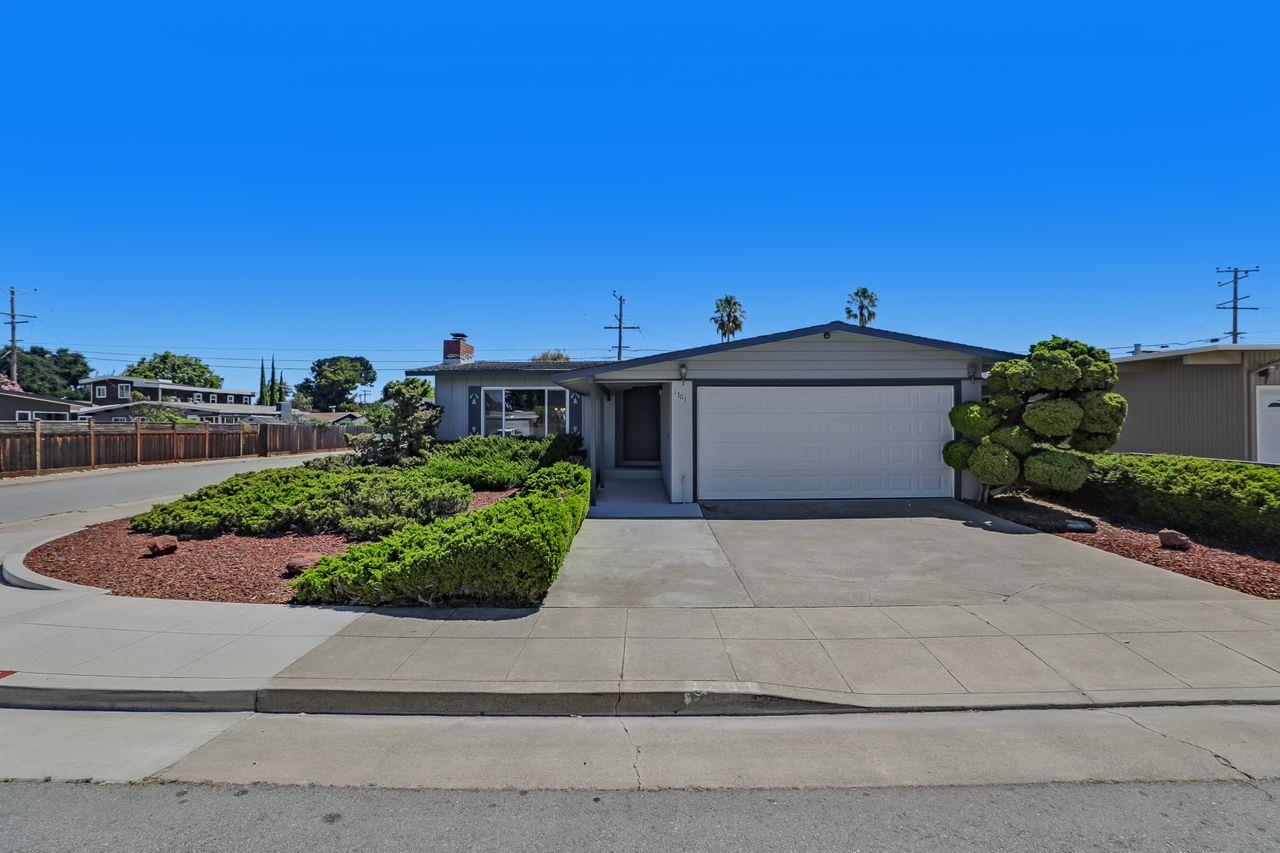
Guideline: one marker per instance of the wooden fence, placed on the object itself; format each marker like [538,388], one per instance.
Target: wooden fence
[41,446]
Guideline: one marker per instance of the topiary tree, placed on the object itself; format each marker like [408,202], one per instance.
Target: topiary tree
[1040,409]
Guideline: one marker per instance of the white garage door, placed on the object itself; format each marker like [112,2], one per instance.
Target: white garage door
[823,442]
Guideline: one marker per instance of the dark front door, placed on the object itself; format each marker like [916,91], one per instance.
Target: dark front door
[640,408]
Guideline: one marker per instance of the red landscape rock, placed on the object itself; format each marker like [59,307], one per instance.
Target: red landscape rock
[300,562]
[159,545]
[1174,539]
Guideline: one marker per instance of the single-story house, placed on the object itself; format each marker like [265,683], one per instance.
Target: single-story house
[828,411]
[214,413]
[1220,401]
[23,406]
[335,418]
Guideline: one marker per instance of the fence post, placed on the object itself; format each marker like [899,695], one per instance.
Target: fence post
[263,432]
[137,442]
[206,440]
[92,446]
[37,429]
[241,431]
[174,432]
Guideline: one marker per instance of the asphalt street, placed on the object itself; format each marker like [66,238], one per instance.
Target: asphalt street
[1221,816]
[35,497]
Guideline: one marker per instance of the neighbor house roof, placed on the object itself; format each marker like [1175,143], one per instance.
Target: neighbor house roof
[209,408]
[1178,353]
[491,366]
[27,395]
[159,383]
[331,417]
[578,372]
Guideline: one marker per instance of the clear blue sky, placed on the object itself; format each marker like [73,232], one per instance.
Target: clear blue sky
[306,179]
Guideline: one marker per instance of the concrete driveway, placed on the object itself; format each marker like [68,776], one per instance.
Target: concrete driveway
[847,553]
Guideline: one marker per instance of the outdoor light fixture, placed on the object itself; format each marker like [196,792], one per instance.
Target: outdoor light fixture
[684,373]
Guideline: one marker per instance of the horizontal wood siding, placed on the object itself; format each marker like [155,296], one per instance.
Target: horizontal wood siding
[69,445]
[844,356]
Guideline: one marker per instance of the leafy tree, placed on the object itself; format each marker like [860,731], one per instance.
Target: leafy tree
[7,384]
[728,318]
[333,379]
[552,355]
[862,305]
[300,402]
[50,373]
[1044,415]
[404,425]
[182,369]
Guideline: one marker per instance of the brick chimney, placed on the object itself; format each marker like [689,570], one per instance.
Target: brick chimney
[457,350]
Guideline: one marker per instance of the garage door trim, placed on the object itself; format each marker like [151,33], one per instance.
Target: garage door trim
[821,383]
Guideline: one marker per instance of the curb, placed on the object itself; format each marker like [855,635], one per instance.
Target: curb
[14,572]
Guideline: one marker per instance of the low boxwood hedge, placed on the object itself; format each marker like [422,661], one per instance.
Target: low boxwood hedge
[506,553]
[1231,500]
[499,462]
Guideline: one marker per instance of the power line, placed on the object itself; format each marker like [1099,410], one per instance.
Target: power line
[1233,304]
[14,322]
[622,301]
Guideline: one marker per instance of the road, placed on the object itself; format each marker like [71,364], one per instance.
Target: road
[1219,816]
[35,497]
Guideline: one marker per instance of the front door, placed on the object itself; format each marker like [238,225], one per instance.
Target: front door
[640,414]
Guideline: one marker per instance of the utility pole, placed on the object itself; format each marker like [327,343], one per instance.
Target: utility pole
[1233,303]
[13,322]
[621,302]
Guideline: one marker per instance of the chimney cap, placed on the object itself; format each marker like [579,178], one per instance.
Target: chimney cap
[459,336]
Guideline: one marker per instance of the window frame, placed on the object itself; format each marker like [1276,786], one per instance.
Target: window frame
[503,389]
[100,391]
[124,390]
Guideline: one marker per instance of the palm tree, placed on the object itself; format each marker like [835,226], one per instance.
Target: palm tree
[862,304]
[728,317]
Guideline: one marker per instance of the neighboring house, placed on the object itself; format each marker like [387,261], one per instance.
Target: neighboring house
[109,390]
[214,413]
[1220,401]
[829,411]
[335,418]
[21,406]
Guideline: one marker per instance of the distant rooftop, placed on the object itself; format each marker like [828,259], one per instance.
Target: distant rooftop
[139,382]
[1178,352]
[491,366]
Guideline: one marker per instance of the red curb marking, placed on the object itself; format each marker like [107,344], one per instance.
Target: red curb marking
[5,673]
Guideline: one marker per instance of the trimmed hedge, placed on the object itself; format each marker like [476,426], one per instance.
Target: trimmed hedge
[363,503]
[506,553]
[1230,500]
[499,462]
[994,464]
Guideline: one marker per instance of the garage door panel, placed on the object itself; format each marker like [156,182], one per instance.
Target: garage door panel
[838,441]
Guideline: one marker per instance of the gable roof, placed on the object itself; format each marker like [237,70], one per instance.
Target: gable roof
[27,395]
[497,366]
[835,326]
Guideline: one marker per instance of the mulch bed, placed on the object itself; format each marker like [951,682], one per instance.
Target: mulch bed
[246,569]
[1247,569]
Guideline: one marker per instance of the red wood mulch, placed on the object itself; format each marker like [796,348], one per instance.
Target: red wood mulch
[1252,570]
[225,568]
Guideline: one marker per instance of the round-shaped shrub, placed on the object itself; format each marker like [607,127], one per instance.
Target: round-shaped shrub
[1016,438]
[993,464]
[1097,375]
[1055,469]
[956,453]
[1053,418]
[1055,370]
[1007,401]
[1093,442]
[975,419]
[1013,375]
[1104,411]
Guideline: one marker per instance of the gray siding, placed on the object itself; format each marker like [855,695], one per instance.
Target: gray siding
[451,393]
[1190,409]
[10,406]
[843,356]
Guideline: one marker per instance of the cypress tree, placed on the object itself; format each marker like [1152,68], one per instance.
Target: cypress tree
[271,387]
[262,382]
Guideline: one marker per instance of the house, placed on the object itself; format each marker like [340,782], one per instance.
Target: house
[109,390]
[22,406]
[1220,401]
[214,413]
[828,411]
[335,418]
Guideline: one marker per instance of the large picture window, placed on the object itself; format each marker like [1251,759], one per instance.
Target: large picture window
[532,412]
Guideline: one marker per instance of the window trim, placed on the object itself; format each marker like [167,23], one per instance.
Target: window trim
[124,390]
[18,415]
[100,391]
[503,389]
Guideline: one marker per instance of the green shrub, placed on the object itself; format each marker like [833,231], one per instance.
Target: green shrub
[1104,411]
[499,462]
[1055,370]
[975,419]
[1097,375]
[1093,442]
[1055,469]
[1231,500]
[1016,438]
[1014,375]
[506,553]
[1054,418]
[358,501]
[1007,401]
[993,465]
[956,453]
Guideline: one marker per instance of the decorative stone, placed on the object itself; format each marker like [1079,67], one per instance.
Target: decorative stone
[1175,540]
[1081,525]
[160,545]
[300,562]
